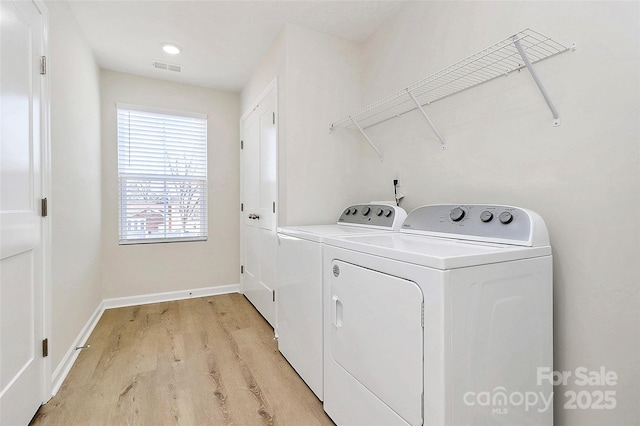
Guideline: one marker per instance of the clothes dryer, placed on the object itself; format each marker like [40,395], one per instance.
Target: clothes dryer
[446,322]
[299,283]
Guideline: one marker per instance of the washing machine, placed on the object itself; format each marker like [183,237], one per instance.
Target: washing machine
[447,322]
[299,283]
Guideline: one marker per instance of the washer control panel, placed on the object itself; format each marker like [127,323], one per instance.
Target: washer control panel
[478,222]
[384,216]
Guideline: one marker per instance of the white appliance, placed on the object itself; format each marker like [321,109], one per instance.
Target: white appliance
[299,283]
[443,323]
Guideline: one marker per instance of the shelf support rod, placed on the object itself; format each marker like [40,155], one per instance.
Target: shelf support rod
[366,137]
[426,117]
[536,79]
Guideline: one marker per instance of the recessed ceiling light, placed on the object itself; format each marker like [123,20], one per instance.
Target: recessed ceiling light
[171,49]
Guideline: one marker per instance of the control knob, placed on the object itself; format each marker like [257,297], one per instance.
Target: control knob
[366,210]
[457,214]
[505,218]
[387,212]
[378,211]
[486,216]
[347,212]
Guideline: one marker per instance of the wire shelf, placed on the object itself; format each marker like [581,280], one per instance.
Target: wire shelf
[495,61]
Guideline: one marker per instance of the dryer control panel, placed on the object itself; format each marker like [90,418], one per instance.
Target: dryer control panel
[383,216]
[479,222]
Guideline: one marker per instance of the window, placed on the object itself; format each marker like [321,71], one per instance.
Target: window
[162,174]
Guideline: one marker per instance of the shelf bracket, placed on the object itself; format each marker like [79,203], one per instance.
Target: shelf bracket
[426,117]
[366,137]
[536,79]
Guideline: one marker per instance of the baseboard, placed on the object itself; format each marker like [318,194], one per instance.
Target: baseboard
[70,357]
[145,299]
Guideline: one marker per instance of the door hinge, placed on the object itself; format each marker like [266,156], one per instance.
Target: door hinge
[43,65]
[241,207]
[45,348]
[242,269]
[43,207]
[274,206]
[274,118]
[241,144]
[273,292]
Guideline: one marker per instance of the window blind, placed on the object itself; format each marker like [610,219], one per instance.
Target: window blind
[162,174]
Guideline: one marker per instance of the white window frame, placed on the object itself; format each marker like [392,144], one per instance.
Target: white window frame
[127,235]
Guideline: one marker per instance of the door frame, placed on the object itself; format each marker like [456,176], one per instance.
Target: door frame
[273,85]
[45,152]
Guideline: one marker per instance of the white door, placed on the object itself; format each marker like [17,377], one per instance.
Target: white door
[21,256]
[258,215]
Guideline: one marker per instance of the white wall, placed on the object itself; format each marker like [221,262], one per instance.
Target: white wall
[318,80]
[154,268]
[270,67]
[323,82]
[75,206]
[582,177]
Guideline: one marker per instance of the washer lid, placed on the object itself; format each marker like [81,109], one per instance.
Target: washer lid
[434,252]
[317,233]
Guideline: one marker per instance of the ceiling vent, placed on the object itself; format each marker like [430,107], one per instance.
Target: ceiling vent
[167,67]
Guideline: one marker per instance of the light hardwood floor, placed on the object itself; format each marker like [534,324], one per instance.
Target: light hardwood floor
[204,361]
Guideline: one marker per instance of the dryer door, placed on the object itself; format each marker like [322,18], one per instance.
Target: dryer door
[376,336]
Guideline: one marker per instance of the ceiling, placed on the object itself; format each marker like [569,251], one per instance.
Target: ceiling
[222,41]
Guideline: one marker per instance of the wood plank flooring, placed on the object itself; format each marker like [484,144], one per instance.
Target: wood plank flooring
[204,361]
